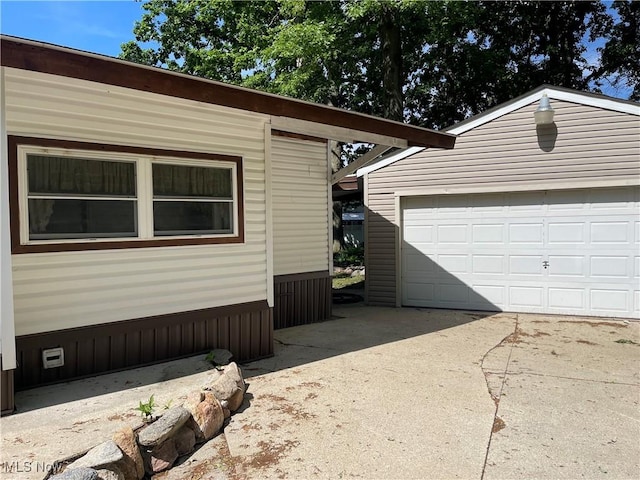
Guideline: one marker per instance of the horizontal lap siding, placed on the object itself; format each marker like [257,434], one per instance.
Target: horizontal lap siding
[56,291]
[302,283]
[300,206]
[592,144]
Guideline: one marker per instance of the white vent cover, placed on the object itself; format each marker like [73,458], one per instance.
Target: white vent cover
[53,357]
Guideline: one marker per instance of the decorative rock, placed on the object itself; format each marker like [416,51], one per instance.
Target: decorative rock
[225,409]
[185,440]
[221,356]
[164,427]
[99,456]
[230,387]
[131,465]
[192,400]
[112,473]
[225,388]
[233,371]
[357,273]
[214,375]
[207,416]
[161,457]
[80,473]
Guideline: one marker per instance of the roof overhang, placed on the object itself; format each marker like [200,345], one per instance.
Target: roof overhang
[287,114]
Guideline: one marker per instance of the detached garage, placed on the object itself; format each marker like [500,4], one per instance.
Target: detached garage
[521,216]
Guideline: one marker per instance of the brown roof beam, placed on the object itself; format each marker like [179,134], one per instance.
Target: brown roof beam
[66,62]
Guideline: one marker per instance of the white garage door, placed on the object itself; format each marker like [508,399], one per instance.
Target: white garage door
[570,252]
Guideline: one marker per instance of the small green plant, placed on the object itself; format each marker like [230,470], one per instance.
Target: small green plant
[351,255]
[211,358]
[146,409]
[167,405]
[626,340]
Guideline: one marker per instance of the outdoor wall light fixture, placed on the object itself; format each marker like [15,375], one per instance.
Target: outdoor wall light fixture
[544,114]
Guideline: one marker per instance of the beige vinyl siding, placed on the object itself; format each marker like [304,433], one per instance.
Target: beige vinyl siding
[593,145]
[70,289]
[300,206]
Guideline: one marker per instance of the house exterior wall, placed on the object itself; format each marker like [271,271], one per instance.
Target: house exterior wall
[593,147]
[59,290]
[300,221]
[302,292]
[116,308]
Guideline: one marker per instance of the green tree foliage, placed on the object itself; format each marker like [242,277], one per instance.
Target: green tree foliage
[429,63]
[620,63]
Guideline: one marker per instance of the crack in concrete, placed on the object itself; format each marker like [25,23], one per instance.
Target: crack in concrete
[512,337]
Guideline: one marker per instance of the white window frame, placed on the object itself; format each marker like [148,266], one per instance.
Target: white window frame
[144,192]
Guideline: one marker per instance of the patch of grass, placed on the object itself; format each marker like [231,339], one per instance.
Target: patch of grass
[343,282]
[627,341]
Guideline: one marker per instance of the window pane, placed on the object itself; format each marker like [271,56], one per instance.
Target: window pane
[184,218]
[64,218]
[77,176]
[184,181]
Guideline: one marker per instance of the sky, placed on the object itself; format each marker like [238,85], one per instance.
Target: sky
[93,26]
[101,26]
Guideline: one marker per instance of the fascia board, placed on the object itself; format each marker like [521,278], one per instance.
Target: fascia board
[389,160]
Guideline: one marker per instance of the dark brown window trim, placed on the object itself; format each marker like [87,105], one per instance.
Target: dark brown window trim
[298,136]
[14,212]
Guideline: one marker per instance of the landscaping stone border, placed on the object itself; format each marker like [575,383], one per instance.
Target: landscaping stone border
[154,448]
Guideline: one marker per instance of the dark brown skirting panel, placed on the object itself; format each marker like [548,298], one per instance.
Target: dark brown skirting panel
[301,298]
[6,390]
[245,329]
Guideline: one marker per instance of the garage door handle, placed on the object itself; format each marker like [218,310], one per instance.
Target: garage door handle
[545,264]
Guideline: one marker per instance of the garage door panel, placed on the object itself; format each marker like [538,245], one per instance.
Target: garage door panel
[529,202]
[421,265]
[448,234]
[420,293]
[612,300]
[610,232]
[563,233]
[488,296]
[491,233]
[452,263]
[567,265]
[526,265]
[610,266]
[421,234]
[567,299]
[453,293]
[488,264]
[563,200]
[573,252]
[526,233]
[613,198]
[530,297]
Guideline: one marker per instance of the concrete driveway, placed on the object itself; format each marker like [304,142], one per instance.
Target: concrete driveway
[388,393]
